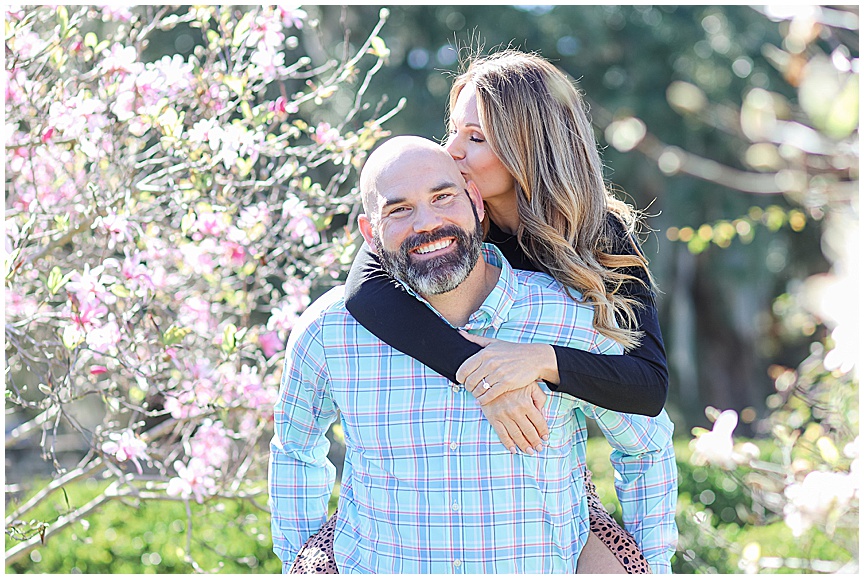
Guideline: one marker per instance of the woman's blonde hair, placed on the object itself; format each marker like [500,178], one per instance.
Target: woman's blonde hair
[535,121]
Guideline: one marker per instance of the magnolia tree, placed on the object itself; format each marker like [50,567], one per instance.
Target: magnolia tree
[805,149]
[167,220]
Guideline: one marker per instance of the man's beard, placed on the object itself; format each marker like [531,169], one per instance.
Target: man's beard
[440,274]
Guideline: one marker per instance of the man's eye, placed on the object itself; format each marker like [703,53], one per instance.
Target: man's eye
[397,210]
[443,196]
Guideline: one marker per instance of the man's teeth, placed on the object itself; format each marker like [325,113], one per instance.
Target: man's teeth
[434,246]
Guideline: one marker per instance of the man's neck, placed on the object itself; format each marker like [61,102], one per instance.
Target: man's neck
[458,304]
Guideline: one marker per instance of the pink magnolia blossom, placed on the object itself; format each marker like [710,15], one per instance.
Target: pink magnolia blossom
[266,30]
[27,44]
[196,480]
[233,254]
[135,273]
[19,305]
[126,446]
[118,227]
[115,12]
[120,59]
[325,134]
[270,343]
[211,443]
[292,15]
[96,370]
[88,315]
[90,284]
[104,338]
[300,225]
[280,105]
[212,223]
[267,62]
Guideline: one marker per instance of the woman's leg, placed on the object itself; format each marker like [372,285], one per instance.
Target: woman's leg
[316,556]
[610,548]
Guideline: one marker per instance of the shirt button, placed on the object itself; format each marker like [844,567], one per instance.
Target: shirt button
[455,388]
[455,506]
[457,562]
[453,446]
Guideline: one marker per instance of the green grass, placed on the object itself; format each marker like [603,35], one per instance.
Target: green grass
[234,536]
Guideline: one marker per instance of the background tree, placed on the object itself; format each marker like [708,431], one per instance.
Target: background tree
[167,218]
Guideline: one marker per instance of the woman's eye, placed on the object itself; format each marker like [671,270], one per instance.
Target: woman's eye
[476,139]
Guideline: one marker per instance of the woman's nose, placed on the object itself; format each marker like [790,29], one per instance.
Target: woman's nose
[455,148]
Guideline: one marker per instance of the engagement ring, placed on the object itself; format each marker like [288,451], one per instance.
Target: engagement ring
[486,385]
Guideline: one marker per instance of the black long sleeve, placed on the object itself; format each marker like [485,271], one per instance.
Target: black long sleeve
[383,307]
[635,383]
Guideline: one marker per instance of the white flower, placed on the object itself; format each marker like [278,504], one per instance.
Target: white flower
[813,500]
[716,447]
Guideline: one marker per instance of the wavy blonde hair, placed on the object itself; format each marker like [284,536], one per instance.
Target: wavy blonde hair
[535,121]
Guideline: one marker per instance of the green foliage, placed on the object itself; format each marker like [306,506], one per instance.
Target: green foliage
[716,523]
[228,536]
[233,536]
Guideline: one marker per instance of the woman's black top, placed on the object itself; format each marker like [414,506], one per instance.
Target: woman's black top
[635,382]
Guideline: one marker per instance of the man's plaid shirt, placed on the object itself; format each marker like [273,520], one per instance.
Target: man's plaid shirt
[427,487]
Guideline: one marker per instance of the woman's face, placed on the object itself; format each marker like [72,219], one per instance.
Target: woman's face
[474,156]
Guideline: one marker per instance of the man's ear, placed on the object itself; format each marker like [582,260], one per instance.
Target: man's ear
[366,230]
[476,199]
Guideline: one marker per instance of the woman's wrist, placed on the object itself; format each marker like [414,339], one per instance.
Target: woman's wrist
[547,361]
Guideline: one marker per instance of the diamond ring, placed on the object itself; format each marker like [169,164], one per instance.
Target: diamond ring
[486,385]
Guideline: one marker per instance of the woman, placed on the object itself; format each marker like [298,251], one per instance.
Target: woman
[518,129]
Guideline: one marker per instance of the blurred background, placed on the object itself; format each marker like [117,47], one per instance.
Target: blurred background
[676,96]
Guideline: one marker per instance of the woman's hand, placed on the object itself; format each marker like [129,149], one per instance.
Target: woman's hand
[517,418]
[505,366]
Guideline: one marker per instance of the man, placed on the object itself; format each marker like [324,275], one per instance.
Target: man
[427,487]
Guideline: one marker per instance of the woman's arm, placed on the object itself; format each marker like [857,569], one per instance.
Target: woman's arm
[634,383]
[386,309]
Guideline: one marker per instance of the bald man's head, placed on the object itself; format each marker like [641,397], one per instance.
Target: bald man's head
[401,160]
[420,216]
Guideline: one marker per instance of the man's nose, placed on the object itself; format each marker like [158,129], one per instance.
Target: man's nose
[426,218]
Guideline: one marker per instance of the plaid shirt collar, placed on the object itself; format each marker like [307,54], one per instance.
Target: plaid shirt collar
[496,307]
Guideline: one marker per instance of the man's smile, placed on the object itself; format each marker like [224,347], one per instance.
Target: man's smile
[435,246]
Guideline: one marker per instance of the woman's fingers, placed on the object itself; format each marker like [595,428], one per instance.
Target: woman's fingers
[468,368]
[479,340]
[517,420]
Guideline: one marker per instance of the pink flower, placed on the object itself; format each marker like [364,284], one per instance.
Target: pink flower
[118,13]
[270,343]
[90,284]
[120,59]
[211,443]
[104,338]
[126,446]
[97,370]
[117,226]
[292,15]
[280,105]
[325,134]
[89,315]
[47,134]
[196,480]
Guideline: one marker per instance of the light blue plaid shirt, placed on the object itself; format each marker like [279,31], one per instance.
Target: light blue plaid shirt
[427,487]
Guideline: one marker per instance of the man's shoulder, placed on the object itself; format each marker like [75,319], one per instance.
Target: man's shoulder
[328,308]
[536,285]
